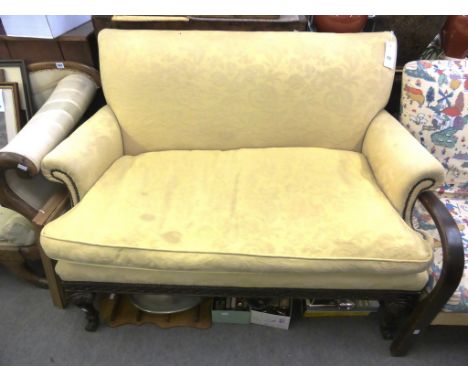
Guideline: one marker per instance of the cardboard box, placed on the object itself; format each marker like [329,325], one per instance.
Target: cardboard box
[229,316]
[272,320]
[41,26]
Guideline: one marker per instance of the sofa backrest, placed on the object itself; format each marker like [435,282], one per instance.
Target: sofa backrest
[227,90]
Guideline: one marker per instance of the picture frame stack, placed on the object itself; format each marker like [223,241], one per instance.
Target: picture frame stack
[16,106]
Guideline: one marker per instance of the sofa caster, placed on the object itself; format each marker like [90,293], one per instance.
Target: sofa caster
[84,301]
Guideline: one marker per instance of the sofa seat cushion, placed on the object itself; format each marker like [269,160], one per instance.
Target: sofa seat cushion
[80,272]
[303,210]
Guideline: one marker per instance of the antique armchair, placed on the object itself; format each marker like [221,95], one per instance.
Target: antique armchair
[248,164]
[61,98]
[434,108]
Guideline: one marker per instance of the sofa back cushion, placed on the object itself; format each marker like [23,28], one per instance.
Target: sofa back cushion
[226,90]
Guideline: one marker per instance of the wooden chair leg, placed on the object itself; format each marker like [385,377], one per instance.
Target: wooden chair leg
[16,260]
[20,270]
[55,288]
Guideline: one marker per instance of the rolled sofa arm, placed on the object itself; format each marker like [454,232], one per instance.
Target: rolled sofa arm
[81,159]
[50,125]
[402,167]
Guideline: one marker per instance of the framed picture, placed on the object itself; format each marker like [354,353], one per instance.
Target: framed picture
[9,112]
[15,71]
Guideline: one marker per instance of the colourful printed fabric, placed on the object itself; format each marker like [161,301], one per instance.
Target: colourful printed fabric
[434,108]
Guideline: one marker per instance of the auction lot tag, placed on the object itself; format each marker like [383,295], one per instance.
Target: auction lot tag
[390,54]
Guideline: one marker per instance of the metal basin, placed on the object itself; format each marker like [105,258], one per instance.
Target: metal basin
[164,303]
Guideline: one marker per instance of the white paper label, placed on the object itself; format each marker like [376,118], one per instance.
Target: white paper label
[59,65]
[390,54]
[2,105]
[21,167]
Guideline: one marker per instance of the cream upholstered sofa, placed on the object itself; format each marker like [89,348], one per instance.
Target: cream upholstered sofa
[245,163]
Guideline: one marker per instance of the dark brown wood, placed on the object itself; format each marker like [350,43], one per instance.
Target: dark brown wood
[452,270]
[250,23]
[80,45]
[209,291]
[55,206]
[4,52]
[33,49]
[55,287]
[9,199]
[392,314]
[85,301]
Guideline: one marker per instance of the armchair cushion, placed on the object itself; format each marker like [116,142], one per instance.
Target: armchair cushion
[291,210]
[15,229]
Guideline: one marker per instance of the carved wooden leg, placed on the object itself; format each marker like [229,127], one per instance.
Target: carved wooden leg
[84,301]
[392,313]
[19,269]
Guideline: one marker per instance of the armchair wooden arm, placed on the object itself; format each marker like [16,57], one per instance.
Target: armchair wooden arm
[452,270]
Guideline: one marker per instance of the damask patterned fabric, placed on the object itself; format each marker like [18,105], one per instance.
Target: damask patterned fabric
[186,90]
[434,108]
[248,210]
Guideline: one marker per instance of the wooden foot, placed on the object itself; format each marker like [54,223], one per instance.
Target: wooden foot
[392,313]
[20,270]
[84,301]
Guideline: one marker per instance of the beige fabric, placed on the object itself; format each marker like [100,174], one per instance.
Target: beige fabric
[304,210]
[451,318]
[43,83]
[35,190]
[70,271]
[15,229]
[82,158]
[54,121]
[402,166]
[193,90]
